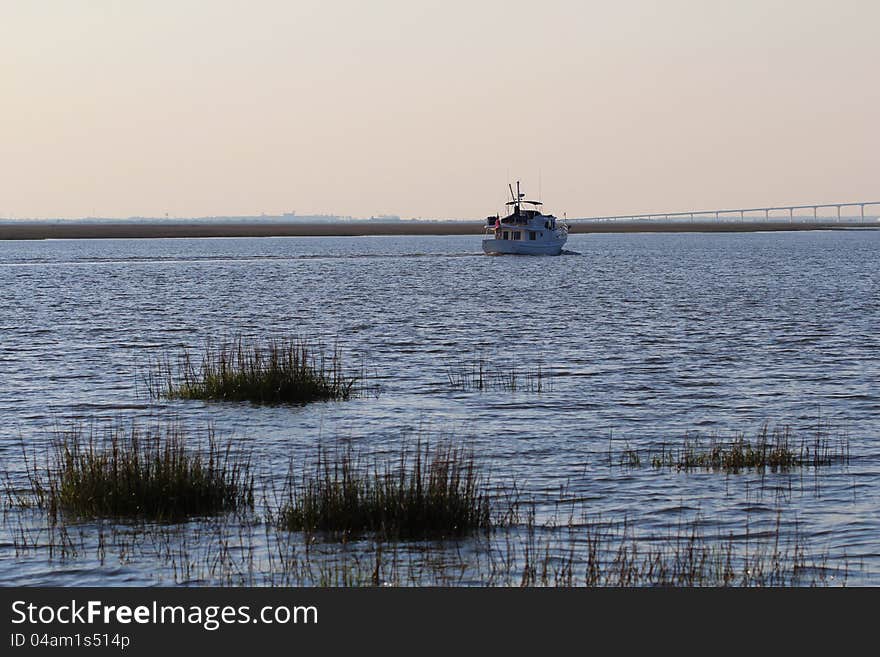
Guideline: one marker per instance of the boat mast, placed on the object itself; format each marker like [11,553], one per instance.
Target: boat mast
[517,199]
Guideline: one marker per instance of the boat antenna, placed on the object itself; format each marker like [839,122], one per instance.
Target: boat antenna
[512,197]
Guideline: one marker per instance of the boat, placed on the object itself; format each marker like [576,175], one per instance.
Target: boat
[525,231]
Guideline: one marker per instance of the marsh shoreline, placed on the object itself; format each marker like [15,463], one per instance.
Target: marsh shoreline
[39,230]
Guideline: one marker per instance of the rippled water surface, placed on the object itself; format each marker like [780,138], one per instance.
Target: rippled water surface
[641,338]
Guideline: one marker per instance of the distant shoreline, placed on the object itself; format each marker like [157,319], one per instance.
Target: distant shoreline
[36,230]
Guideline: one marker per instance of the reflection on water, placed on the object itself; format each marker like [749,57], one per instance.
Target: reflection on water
[644,338]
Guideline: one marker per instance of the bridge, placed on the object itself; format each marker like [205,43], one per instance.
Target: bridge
[739,214]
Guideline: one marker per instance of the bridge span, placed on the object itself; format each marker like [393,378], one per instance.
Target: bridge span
[775,214]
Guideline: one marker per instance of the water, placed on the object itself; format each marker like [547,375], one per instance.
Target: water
[642,338]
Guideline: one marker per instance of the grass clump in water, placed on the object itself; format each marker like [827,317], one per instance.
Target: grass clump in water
[776,451]
[282,371]
[426,493]
[134,473]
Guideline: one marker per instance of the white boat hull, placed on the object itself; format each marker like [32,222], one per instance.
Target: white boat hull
[493,246]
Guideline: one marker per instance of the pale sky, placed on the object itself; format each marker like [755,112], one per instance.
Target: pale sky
[429,108]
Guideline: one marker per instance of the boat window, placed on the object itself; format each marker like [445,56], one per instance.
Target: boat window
[531,234]
[516,234]
[504,235]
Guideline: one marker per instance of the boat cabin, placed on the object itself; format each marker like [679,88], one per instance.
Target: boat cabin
[525,229]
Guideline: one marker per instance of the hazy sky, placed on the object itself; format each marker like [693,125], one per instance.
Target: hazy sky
[422,108]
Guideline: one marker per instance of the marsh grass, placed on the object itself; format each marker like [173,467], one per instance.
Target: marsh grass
[420,518]
[225,550]
[479,375]
[630,458]
[595,553]
[776,450]
[127,472]
[279,371]
[425,492]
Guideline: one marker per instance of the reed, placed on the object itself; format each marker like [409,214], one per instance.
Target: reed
[233,549]
[127,472]
[226,550]
[630,458]
[383,518]
[776,450]
[481,376]
[279,371]
[595,553]
[426,492]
